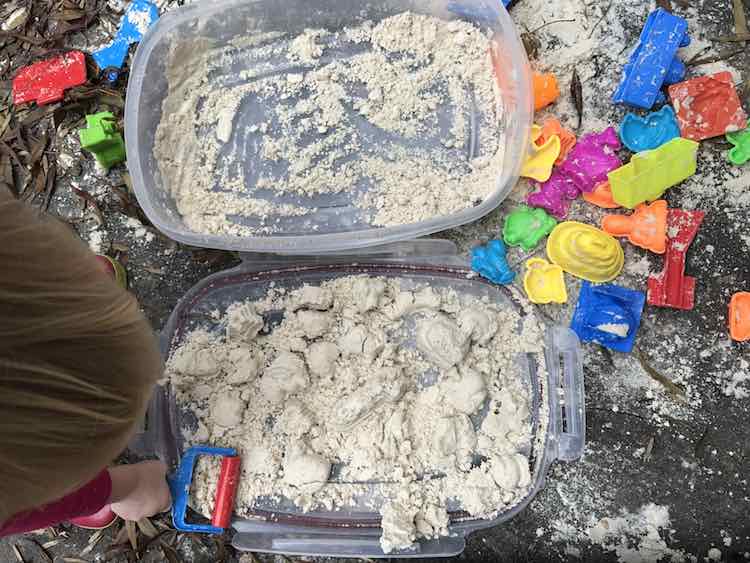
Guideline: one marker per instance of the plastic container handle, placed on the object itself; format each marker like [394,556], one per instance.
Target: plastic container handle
[563,355]
[261,538]
[180,482]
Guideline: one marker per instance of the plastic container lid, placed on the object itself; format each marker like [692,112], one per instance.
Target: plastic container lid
[284,528]
[335,225]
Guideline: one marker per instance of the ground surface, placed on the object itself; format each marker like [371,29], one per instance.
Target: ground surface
[664,471]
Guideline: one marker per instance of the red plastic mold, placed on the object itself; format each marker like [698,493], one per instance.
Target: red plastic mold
[45,82]
[707,106]
[671,287]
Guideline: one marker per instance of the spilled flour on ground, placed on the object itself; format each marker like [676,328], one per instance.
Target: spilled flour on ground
[367,395]
[381,124]
[638,537]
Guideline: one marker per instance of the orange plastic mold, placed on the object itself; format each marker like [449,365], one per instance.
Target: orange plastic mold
[646,227]
[568,139]
[739,316]
[601,196]
[545,90]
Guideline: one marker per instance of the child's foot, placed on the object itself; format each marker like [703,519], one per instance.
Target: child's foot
[97,521]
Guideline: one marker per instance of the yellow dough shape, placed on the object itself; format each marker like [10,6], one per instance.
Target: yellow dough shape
[544,282]
[540,159]
[585,251]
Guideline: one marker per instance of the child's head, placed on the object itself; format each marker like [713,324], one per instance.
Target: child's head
[77,361]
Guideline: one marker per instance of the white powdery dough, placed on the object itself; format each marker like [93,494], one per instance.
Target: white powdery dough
[367,293]
[243,324]
[478,325]
[227,409]
[399,528]
[243,366]
[346,379]
[312,324]
[305,47]
[311,297]
[321,358]
[362,341]
[465,392]
[386,385]
[408,76]
[441,341]
[306,471]
[510,471]
[285,376]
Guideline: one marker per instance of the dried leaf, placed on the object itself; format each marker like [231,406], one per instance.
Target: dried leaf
[169,553]
[50,544]
[130,526]
[37,148]
[6,173]
[531,44]
[93,540]
[73,560]
[17,553]
[68,15]
[576,91]
[677,392]
[50,188]
[144,524]
[664,5]
[89,200]
[158,272]
[40,182]
[740,20]
[647,454]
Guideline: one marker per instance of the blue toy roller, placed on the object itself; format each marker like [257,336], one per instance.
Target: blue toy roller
[179,485]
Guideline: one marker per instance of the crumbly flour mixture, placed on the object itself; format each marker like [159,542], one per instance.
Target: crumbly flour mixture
[364,393]
[381,124]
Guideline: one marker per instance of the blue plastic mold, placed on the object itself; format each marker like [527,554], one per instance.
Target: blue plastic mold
[140,15]
[649,132]
[179,485]
[490,262]
[608,315]
[654,62]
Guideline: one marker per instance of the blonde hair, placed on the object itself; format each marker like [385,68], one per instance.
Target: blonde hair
[78,361]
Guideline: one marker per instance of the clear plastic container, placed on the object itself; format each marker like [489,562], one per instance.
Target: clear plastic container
[336,224]
[282,528]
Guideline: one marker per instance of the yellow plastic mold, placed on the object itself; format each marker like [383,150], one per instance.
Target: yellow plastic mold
[540,159]
[585,251]
[650,173]
[544,282]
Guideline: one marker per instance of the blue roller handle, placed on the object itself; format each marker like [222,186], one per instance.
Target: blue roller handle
[179,484]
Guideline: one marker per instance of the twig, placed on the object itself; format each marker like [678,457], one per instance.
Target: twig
[741,32]
[714,59]
[675,390]
[601,19]
[649,449]
[549,23]
[33,41]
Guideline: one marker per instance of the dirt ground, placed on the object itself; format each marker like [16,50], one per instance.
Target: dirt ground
[667,425]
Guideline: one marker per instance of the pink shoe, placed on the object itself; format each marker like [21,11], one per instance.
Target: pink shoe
[97,521]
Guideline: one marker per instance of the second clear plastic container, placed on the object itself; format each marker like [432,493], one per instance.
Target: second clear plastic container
[282,528]
[334,223]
